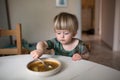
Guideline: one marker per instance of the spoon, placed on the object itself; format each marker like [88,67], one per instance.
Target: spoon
[47,66]
[41,61]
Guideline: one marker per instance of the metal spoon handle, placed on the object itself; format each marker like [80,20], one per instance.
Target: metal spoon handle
[41,61]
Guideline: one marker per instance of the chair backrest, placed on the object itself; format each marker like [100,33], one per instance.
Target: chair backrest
[18,35]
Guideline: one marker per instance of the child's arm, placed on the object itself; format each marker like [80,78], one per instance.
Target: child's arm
[40,49]
[85,55]
[42,46]
[77,56]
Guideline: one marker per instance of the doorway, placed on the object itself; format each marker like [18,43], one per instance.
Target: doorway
[88,10]
[88,18]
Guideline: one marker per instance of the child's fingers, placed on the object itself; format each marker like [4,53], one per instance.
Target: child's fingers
[76,57]
[34,54]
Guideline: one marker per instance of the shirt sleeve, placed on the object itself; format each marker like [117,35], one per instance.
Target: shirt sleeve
[51,43]
[82,49]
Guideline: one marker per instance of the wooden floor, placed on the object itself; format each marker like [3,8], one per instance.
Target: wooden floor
[102,54]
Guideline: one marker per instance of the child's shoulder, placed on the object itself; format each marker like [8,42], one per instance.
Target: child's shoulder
[53,40]
[80,41]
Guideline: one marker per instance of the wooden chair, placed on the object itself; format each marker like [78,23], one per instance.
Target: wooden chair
[18,35]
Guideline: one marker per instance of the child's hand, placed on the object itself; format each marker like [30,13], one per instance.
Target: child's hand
[76,57]
[36,54]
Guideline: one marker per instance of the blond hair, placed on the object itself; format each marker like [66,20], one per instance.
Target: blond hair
[66,21]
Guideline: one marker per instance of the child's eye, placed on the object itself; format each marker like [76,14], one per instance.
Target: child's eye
[58,33]
[66,33]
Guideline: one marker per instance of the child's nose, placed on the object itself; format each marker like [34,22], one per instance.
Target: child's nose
[62,35]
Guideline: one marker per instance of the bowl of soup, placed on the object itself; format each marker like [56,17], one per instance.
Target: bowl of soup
[51,66]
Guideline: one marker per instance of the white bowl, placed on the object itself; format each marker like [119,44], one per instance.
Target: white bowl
[46,73]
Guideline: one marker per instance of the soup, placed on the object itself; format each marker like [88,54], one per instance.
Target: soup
[37,66]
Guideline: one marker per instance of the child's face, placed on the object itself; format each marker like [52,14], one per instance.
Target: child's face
[64,36]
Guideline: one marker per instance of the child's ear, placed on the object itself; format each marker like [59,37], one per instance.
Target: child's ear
[74,34]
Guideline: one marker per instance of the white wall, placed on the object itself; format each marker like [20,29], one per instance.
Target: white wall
[116,46]
[36,17]
[108,12]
